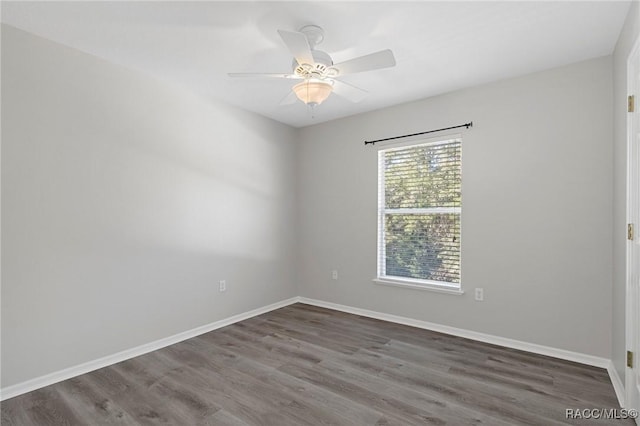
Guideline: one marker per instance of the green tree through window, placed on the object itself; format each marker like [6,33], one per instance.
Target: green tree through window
[419,212]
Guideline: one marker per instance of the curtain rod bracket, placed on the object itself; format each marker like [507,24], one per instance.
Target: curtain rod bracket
[467,125]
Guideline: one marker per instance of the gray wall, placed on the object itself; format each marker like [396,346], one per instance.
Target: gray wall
[628,36]
[536,221]
[124,202]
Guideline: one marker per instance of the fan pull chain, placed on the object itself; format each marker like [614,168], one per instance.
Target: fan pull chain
[311,107]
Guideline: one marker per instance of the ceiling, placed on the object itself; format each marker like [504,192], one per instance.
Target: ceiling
[439,46]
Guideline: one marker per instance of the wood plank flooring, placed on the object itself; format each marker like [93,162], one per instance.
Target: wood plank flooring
[304,365]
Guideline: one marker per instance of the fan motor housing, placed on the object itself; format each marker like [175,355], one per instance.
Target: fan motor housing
[320,69]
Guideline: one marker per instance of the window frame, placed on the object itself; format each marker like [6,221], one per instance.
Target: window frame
[414,283]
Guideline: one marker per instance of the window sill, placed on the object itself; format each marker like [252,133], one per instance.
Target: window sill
[416,286]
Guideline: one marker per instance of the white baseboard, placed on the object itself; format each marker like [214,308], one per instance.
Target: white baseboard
[474,335]
[58,376]
[67,373]
[618,387]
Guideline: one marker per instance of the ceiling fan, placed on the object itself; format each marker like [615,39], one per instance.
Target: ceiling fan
[319,75]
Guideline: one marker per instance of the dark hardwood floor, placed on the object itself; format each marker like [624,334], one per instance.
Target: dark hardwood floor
[304,365]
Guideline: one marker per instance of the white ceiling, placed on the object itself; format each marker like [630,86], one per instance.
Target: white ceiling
[439,46]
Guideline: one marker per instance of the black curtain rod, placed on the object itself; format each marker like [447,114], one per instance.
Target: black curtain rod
[467,125]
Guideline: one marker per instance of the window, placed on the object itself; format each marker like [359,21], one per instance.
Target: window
[419,206]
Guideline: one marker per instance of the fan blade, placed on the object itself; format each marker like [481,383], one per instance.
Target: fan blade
[298,45]
[373,61]
[261,75]
[290,99]
[348,91]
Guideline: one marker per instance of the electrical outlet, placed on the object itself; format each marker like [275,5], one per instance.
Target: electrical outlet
[334,274]
[479,294]
[223,285]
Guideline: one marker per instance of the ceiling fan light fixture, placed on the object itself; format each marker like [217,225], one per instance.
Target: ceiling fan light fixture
[313,92]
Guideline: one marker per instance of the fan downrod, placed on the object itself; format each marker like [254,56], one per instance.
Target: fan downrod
[314,34]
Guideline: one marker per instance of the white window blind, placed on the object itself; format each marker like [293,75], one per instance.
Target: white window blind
[419,206]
